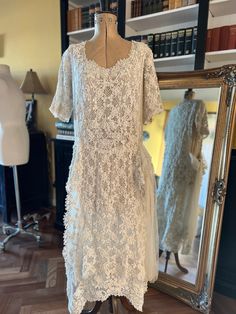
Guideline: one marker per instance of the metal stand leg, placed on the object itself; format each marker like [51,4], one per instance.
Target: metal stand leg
[13,231]
[184,270]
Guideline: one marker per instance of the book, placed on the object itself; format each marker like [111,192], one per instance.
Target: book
[162,45]
[91,15]
[173,45]
[224,37]
[132,8]
[156,45]
[165,5]
[150,42]
[188,41]
[69,21]
[232,37]
[194,43]
[178,4]
[184,3]
[74,21]
[208,40]
[180,42]
[215,39]
[167,44]
[171,4]
[191,2]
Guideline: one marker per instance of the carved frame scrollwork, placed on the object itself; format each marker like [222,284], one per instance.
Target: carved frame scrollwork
[199,295]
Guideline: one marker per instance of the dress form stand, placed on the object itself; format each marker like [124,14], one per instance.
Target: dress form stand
[13,136]
[106,47]
[189,94]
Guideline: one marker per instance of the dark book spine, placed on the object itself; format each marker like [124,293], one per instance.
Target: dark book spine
[165,5]
[180,42]
[194,44]
[150,42]
[132,8]
[156,45]
[173,45]
[159,5]
[91,15]
[144,7]
[162,44]
[167,45]
[188,41]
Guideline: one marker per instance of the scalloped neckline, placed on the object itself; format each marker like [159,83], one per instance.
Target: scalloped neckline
[119,61]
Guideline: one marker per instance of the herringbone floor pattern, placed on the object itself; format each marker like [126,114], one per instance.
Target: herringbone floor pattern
[32,279]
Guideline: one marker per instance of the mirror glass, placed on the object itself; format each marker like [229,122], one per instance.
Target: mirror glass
[180,141]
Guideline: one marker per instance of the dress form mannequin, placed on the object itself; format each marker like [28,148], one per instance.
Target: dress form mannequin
[13,131]
[106,47]
[14,139]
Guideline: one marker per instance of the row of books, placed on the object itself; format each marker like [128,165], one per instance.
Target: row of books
[221,38]
[83,16]
[170,44]
[64,130]
[143,7]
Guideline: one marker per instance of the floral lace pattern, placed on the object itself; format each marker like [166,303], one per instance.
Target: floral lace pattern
[185,129]
[106,218]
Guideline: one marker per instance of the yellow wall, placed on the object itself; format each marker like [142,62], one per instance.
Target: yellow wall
[30,38]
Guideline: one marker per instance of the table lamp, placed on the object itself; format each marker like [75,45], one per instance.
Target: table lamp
[31,85]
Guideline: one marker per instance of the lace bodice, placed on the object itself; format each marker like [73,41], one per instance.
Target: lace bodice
[105,241]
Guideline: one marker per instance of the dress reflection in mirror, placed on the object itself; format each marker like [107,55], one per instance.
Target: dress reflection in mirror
[180,181]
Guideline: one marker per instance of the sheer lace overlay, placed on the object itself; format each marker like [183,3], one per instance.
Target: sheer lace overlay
[110,238]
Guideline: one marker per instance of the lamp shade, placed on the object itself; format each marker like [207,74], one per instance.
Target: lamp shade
[31,84]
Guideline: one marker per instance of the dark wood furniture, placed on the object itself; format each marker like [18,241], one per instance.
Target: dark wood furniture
[33,181]
[225,281]
[63,155]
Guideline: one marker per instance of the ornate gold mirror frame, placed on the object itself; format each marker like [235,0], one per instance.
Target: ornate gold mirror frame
[199,295]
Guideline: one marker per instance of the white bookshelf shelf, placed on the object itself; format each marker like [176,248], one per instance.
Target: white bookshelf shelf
[222,7]
[82,34]
[81,2]
[165,18]
[221,56]
[175,61]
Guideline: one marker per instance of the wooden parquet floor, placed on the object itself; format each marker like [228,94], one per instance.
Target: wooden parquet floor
[32,279]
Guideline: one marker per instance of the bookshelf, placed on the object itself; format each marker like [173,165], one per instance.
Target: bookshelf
[221,13]
[164,19]
[169,20]
[222,7]
[225,56]
[82,34]
[175,61]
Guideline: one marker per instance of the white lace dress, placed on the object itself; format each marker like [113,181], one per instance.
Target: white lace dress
[110,238]
[180,181]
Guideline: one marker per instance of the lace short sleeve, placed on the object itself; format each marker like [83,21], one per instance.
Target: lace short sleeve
[61,106]
[152,103]
[201,121]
